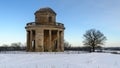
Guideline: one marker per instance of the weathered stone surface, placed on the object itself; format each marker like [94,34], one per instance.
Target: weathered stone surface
[45,35]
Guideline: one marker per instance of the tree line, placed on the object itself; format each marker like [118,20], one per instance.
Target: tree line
[13,47]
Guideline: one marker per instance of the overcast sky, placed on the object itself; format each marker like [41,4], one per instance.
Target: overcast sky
[77,16]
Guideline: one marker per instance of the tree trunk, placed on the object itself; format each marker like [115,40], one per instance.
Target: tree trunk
[93,48]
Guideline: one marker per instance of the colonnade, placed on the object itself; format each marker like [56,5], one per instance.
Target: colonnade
[33,42]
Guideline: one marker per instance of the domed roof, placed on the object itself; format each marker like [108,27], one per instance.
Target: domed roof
[46,9]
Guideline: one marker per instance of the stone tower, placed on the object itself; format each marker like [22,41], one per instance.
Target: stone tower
[45,34]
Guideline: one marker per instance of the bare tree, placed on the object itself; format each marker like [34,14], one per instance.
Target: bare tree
[16,44]
[94,38]
[66,44]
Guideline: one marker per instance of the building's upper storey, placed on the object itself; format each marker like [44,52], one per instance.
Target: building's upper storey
[45,17]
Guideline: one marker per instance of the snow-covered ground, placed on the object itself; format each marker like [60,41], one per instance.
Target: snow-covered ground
[59,60]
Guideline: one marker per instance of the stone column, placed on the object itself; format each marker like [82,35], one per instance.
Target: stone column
[30,41]
[39,40]
[50,47]
[58,41]
[62,41]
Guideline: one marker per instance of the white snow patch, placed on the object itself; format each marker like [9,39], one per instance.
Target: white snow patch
[59,60]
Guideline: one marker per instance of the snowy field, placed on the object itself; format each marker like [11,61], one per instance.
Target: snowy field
[59,60]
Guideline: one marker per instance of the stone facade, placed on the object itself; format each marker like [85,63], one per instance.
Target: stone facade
[45,35]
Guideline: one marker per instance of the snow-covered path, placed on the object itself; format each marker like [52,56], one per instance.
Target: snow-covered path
[86,60]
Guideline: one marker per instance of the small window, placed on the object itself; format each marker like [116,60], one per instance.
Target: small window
[50,19]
